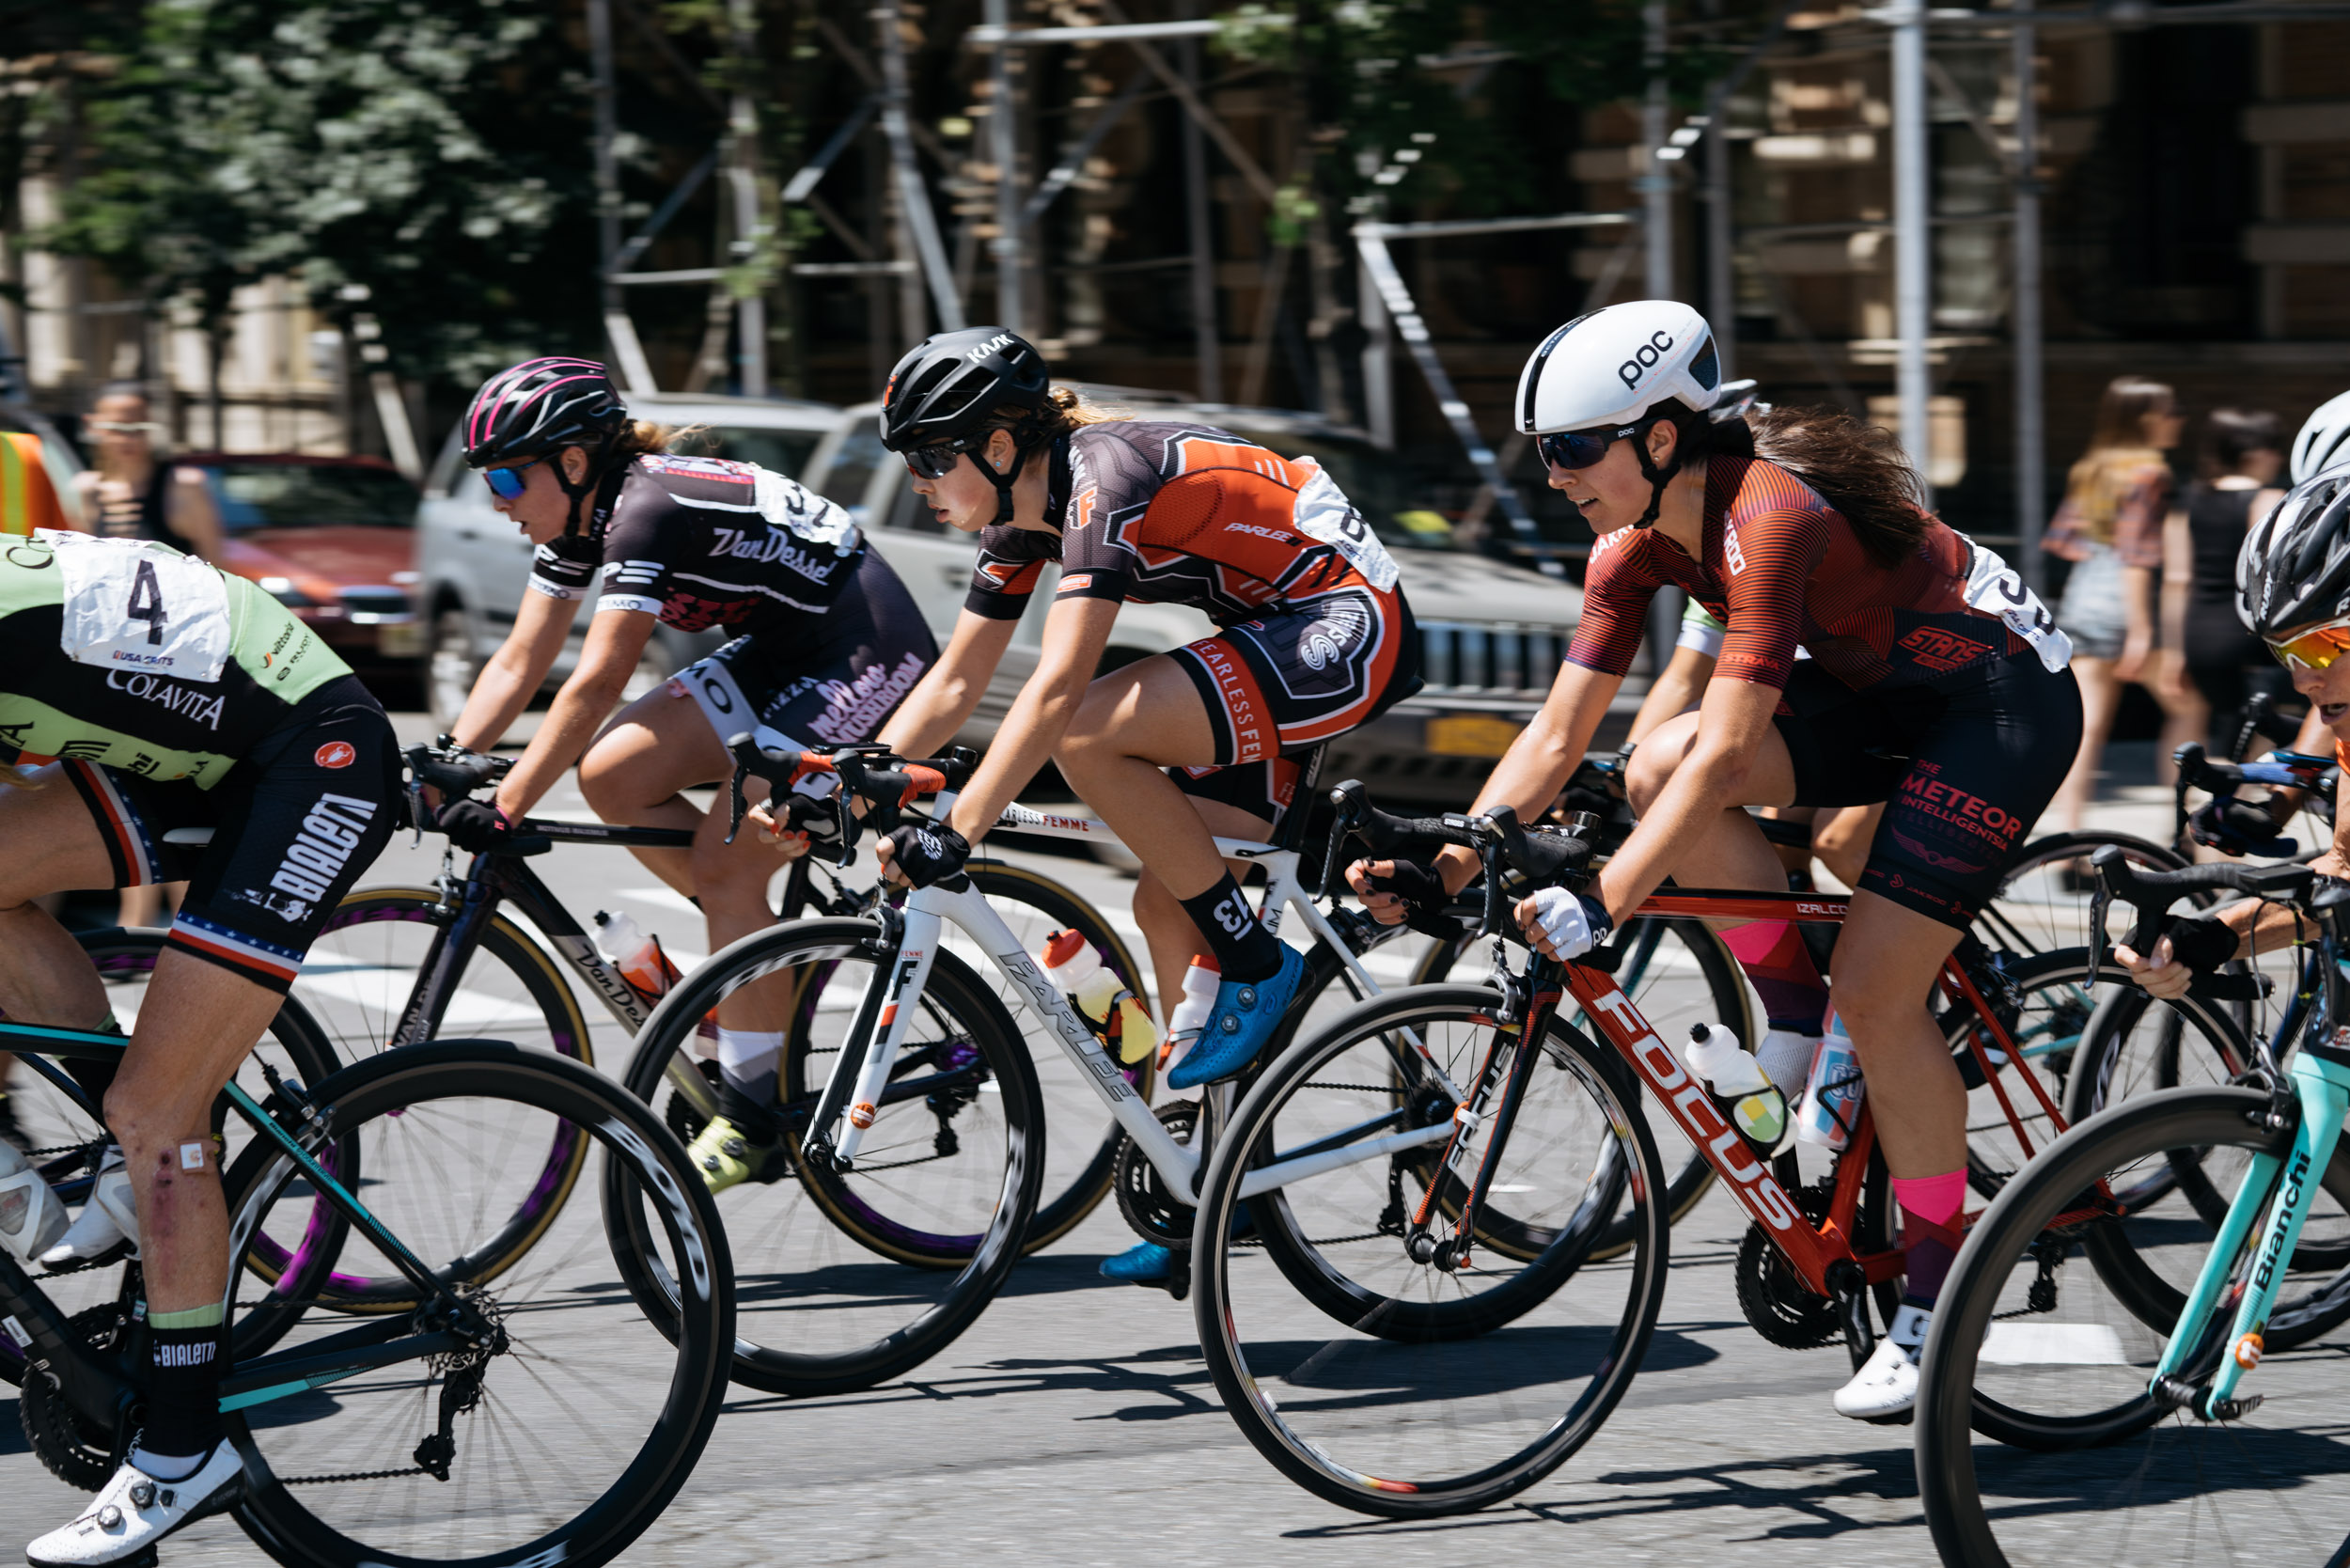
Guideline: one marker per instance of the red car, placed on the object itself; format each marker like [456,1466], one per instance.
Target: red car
[334,540]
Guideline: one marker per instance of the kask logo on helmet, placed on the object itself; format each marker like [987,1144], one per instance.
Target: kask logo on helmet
[1001,340]
[1631,370]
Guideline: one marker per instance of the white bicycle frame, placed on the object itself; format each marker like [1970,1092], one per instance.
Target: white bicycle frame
[928,910]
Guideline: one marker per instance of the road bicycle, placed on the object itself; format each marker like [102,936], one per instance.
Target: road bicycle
[2128,1293]
[487,951]
[1416,1322]
[417,1436]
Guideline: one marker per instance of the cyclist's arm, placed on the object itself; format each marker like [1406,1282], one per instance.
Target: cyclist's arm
[514,673]
[943,701]
[615,641]
[1735,717]
[1076,633]
[1678,690]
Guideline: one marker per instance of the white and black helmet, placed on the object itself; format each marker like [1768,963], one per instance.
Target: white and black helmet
[2324,441]
[2295,566]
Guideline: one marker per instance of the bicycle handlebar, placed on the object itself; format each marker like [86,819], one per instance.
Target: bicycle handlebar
[886,783]
[2151,893]
[1516,861]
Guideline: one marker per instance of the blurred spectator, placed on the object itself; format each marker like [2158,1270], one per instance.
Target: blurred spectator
[131,492]
[2110,527]
[2241,453]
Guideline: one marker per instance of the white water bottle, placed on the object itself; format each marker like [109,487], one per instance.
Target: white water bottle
[32,1216]
[1831,1102]
[1742,1091]
[1189,1021]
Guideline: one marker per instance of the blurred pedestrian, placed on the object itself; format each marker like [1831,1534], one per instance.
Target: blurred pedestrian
[2240,457]
[2110,527]
[134,492]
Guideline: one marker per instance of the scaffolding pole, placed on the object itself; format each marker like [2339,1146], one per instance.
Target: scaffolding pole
[1003,137]
[1913,275]
[2032,452]
[913,200]
[1656,178]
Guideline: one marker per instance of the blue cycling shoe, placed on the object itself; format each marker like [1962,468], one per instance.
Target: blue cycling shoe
[1143,1263]
[1243,1021]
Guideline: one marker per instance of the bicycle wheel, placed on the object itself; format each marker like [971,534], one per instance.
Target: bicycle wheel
[1081,1138]
[1391,1387]
[65,1140]
[2031,1347]
[2044,895]
[1678,972]
[945,1181]
[569,1438]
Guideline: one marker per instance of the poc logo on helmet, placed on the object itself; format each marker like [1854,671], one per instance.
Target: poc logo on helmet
[1001,340]
[1631,370]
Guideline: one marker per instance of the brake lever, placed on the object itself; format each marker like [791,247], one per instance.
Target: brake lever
[736,805]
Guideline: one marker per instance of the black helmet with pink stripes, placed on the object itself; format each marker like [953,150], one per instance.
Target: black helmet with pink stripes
[534,407]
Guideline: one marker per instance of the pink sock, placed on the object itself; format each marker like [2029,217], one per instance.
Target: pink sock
[1931,1237]
[1935,1200]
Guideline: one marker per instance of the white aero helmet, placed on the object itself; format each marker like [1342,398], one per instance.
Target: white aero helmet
[2324,441]
[1603,374]
[2295,566]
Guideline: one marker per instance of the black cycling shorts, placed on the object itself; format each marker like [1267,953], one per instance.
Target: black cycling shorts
[1260,789]
[295,822]
[1305,672]
[834,690]
[1965,766]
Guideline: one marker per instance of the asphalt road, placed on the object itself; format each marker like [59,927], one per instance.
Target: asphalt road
[1076,1424]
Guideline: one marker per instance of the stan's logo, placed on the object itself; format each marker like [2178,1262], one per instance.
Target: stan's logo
[335,754]
[1940,649]
[1076,581]
[1631,370]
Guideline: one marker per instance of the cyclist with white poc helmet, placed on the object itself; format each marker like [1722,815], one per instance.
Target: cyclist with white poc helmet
[2293,592]
[1935,682]
[829,640]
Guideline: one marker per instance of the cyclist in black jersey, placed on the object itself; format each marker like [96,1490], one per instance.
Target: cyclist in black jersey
[829,641]
[143,692]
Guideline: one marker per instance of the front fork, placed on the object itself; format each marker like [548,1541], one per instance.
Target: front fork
[2322,1088]
[908,941]
[1518,1026]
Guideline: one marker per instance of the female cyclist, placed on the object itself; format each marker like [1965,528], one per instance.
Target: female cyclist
[148,692]
[829,641]
[2293,591]
[1172,749]
[1933,683]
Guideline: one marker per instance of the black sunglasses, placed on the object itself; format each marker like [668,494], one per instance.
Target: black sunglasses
[935,461]
[1579,449]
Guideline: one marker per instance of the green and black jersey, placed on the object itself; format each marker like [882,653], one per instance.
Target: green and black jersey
[129,655]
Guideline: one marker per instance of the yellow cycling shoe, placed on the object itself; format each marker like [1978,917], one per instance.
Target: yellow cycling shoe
[726,1157]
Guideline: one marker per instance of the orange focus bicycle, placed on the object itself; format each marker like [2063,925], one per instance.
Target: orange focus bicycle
[1395,1278]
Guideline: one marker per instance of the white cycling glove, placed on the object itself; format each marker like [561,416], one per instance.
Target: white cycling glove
[1572,923]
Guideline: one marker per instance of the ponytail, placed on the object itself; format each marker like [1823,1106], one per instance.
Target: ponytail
[1857,468]
[1065,410]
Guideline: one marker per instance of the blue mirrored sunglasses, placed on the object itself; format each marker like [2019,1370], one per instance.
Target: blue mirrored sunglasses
[506,483]
[1578,449]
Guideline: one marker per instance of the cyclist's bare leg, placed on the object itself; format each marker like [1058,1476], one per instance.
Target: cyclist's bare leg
[1841,839]
[1166,925]
[1887,958]
[1734,851]
[1135,723]
[634,769]
[45,978]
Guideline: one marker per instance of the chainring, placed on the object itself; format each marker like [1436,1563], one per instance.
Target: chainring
[75,1452]
[1773,1295]
[1156,1213]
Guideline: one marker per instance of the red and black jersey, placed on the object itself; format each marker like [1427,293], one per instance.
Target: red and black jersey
[1782,567]
[1181,514]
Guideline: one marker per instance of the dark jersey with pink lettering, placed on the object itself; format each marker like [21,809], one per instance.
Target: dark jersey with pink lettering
[1782,567]
[701,542]
[1163,513]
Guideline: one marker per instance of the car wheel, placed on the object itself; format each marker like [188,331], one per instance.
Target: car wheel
[449,668]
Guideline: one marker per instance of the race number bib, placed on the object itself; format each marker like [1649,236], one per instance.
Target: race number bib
[1324,515]
[1993,588]
[141,606]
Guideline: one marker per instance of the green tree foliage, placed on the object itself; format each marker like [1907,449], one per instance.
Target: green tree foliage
[429,151]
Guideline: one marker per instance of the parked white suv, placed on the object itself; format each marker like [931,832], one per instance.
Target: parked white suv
[474,565]
[1491,635]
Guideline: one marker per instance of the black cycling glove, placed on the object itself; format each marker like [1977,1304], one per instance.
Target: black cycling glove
[925,855]
[475,824]
[2202,943]
[2234,825]
[819,819]
[1423,894]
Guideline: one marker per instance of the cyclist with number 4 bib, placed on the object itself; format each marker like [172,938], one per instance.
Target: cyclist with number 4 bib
[828,641]
[146,692]
[1935,682]
[1175,749]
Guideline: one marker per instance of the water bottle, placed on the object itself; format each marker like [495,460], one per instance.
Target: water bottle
[32,1216]
[1832,1103]
[1072,963]
[637,955]
[1740,1089]
[1189,1020]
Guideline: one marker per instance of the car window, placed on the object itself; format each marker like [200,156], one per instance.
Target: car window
[1392,496]
[861,452]
[306,495]
[908,515]
[786,451]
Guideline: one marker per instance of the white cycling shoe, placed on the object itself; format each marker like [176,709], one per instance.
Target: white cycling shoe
[109,1219]
[134,1510]
[1884,1389]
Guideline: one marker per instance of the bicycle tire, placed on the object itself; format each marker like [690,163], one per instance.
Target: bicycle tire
[289,1517]
[1952,1400]
[975,1266]
[2004,922]
[1386,1327]
[1728,1000]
